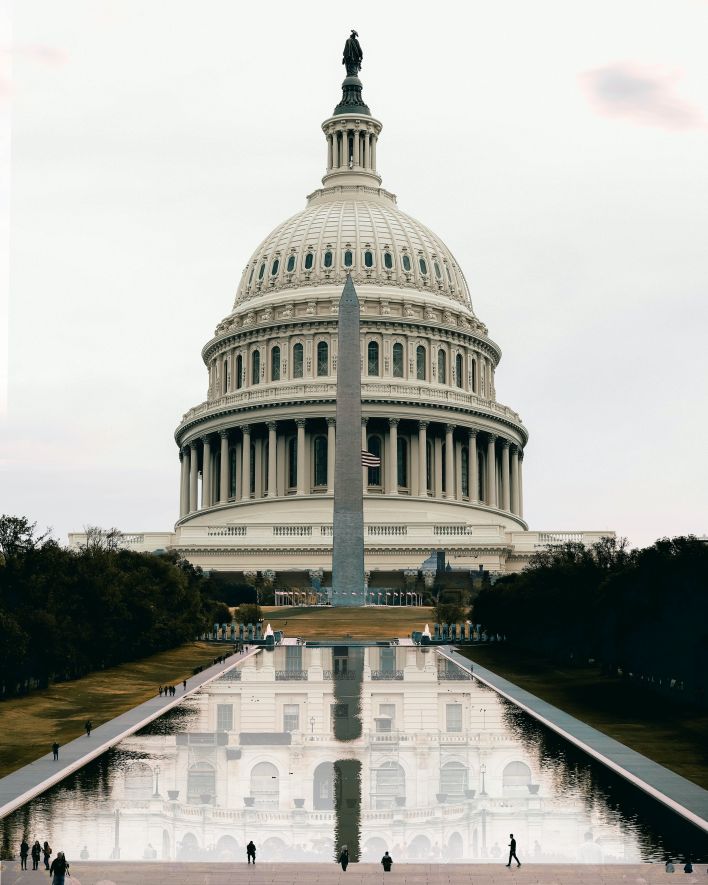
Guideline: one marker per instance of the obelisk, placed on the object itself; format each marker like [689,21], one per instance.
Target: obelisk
[348,540]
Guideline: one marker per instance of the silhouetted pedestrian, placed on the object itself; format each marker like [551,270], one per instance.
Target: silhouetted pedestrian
[512,851]
[47,852]
[59,869]
[160,691]
[184,685]
[251,852]
[344,858]
[24,852]
[386,862]
[688,867]
[88,725]
[55,750]
[36,854]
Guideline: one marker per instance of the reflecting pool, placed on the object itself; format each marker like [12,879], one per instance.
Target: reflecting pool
[303,750]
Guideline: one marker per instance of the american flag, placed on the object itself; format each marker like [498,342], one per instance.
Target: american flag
[369,460]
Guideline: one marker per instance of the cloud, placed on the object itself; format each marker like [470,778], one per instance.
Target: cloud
[640,93]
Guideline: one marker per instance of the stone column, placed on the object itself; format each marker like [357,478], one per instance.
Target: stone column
[364,447]
[473,478]
[246,463]
[331,442]
[272,459]
[224,469]
[357,146]
[392,472]
[373,152]
[423,458]
[458,470]
[300,424]
[491,471]
[449,462]
[183,481]
[366,150]
[193,477]
[206,471]
[521,483]
[506,497]
[329,152]
[515,479]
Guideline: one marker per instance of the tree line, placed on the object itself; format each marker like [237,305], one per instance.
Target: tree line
[640,614]
[65,613]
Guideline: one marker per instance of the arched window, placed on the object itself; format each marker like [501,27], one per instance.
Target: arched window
[250,276]
[402,462]
[372,352]
[406,262]
[348,258]
[290,267]
[309,261]
[225,377]
[265,785]
[473,376]
[438,273]
[138,781]
[442,367]
[448,274]
[292,462]
[389,785]
[516,777]
[323,787]
[274,268]
[459,377]
[239,372]
[374,446]
[420,363]
[201,782]
[261,271]
[368,258]
[429,465]
[423,266]
[464,466]
[328,258]
[453,780]
[255,367]
[320,460]
[322,359]
[275,364]
[297,361]
[398,360]
[388,260]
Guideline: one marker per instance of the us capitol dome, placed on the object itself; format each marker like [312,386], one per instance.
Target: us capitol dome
[257,456]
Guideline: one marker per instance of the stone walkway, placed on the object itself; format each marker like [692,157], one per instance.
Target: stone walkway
[87,873]
[680,794]
[33,779]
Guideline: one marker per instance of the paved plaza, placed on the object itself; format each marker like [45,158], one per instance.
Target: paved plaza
[357,874]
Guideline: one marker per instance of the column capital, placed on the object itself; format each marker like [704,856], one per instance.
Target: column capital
[272,425]
[300,422]
[506,443]
[331,422]
[224,434]
[492,438]
[449,428]
[181,453]
[206,439]
[521,454]
[515,449]
[472,431]
[245,429]
[193,444]
[364,421]
[394,422]
[423,423]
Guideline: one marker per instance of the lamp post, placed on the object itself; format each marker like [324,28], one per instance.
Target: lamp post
[483,711]
[312,724]
[156,794]
[482,771]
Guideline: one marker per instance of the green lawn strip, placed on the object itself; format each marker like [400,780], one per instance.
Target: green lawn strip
[663,729]
[327,622]
[30,724]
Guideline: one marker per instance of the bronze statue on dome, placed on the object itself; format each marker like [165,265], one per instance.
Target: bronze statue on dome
[352,55]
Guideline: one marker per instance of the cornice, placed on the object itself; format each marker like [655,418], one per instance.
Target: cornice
[323,549]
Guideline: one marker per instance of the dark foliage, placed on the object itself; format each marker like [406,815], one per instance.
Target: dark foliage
[64,613]
[640,614]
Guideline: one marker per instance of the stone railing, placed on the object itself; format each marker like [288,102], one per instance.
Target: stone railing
[560,537]
[453,530]
[291,675]
[230,676]
[226,531]
[387,675]
[330,674]
[387,530]
[292,530]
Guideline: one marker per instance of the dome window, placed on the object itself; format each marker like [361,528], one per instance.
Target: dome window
[250,276]
[256,367]
[297,361]
[388,260]
[328,258]
[322,359]
[290,267]
[274,268]
[275,364]
[373,358]
[423,266]
[398,360]
[309,261]
[407,263]
[420,359]
[448,274]
[438,272]
[348,258]
[261,271]
[368,259]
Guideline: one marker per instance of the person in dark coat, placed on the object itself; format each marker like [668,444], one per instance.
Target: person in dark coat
[55,750]
[512,851]
[59,869]
[344,858]
[386,862]
[251,852]
[47,852]
[36,854]
[88,725]
[24,852]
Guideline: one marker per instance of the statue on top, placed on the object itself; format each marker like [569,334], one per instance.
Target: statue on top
[352,55]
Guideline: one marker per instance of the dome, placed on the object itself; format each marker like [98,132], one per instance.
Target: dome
[357,230]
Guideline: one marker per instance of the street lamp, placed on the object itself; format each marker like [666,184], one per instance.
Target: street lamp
[483,711]
[156,794]
[312,724]
[483,771]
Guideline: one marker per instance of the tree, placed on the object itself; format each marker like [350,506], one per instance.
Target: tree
[249,614]
[18,535]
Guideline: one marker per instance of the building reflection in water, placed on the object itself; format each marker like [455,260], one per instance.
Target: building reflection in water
[303,750]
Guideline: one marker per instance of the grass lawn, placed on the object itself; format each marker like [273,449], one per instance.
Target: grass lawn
[374,622]
[30,724]
[666,731]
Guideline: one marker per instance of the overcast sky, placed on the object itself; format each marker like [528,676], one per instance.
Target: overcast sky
[560,149]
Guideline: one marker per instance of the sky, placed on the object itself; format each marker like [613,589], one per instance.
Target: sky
[559,149]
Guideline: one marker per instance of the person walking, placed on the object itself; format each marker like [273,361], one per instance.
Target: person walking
[36,854]
[59,869]
[386,862]
[47,852]
[24,852]
[512,851]
[251,852]
[88,725]
[160,690]
[184,685]
[55,751]
[344,858]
